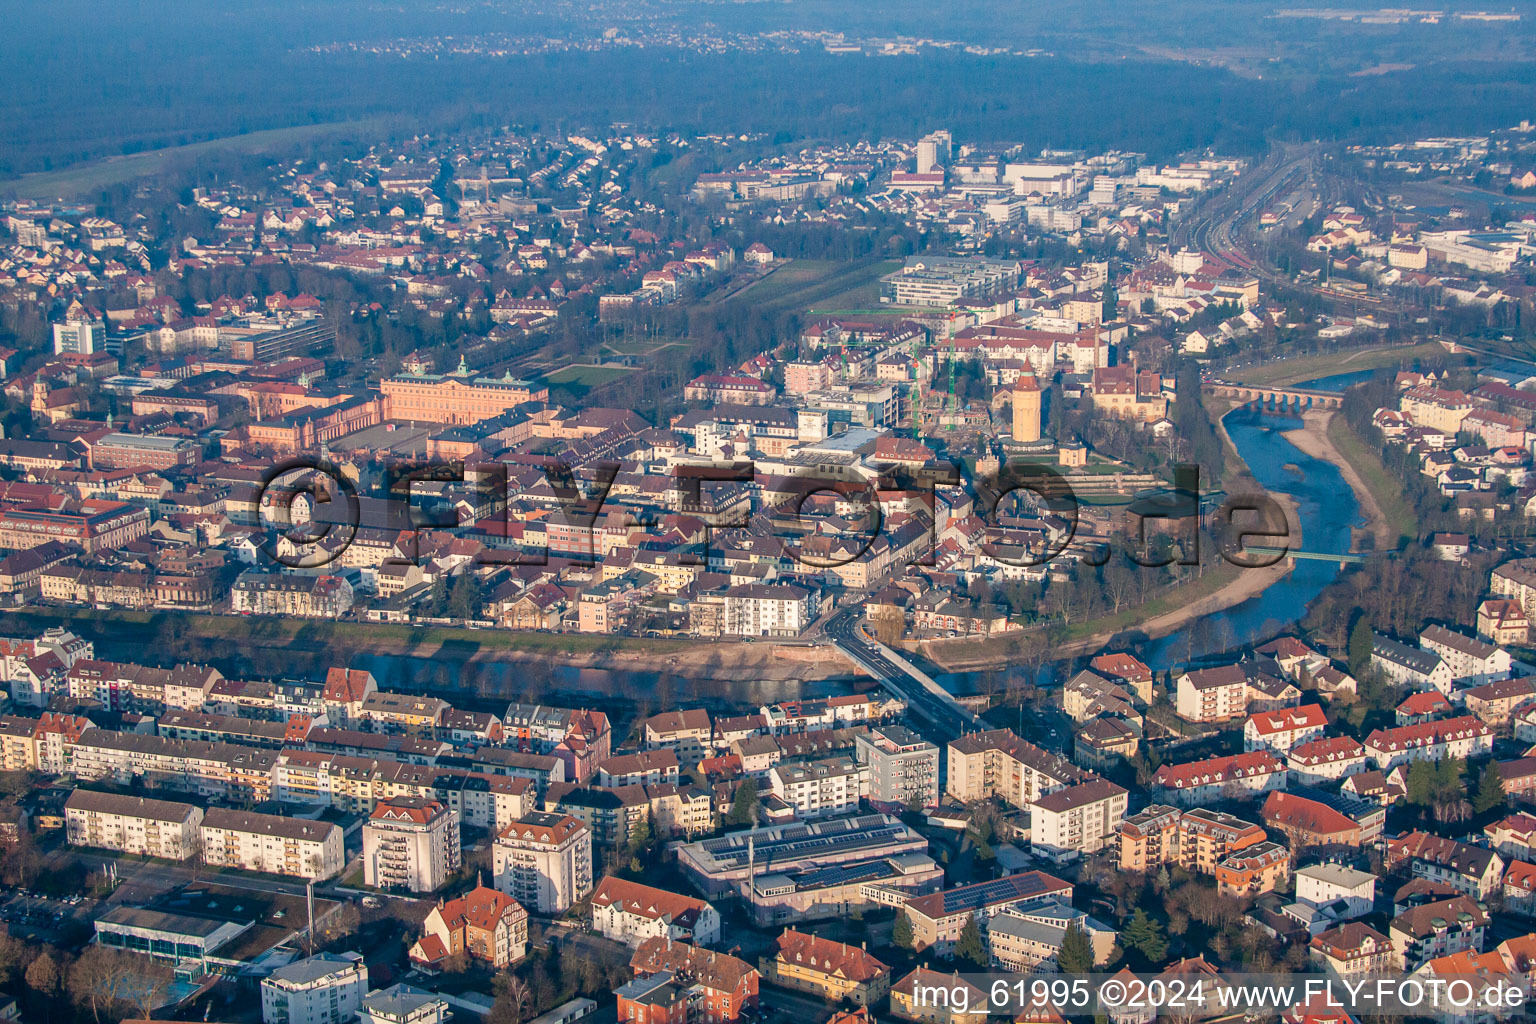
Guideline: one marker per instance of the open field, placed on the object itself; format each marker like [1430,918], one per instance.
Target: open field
[100,174]
[643,347]
[811,284]
[861,297]
[1294,371]
[586,374]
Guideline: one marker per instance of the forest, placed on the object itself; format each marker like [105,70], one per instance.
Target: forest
[197,74]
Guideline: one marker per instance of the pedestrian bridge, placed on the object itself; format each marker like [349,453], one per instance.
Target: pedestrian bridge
[1276,397]
[1316,556]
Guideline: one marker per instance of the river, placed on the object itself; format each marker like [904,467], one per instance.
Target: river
[1325,506]
[1327,510]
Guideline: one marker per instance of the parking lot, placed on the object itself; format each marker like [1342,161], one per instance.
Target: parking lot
[32,915]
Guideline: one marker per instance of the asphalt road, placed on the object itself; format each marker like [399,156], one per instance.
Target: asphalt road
[843,630]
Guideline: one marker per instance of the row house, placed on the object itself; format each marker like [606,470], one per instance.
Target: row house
[1280,731]
[40,744]
[214,770]
[1238,776]
[1464,737]
[119,686]
[1473,870]
[1322,761]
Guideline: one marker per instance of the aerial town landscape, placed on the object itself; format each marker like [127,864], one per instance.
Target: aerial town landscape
[600,556]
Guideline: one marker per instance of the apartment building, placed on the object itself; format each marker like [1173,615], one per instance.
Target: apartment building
[327,988]
[1466,657]
[1262,867]
[1431,930]
[903,767]
[1217,694]
[1077,820]
[630,912]
[1236,776]
[997,763]
[834,785]
[408,713]
[1462,737]
[687,733]
[683,983]
[1321,884]
[271,843]
[1148,839]
[642,768]
[833,971]
[1322,761]
[544,861]
[1473,870]
[309,597]
[1353,949]
[410,843]
[1281,730]
[132,824]
[769,609]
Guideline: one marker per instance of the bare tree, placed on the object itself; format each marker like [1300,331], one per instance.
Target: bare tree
[99,979]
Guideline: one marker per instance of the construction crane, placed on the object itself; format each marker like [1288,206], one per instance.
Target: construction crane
[952,399]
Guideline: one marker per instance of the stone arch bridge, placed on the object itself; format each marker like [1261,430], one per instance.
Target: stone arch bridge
[1277,397]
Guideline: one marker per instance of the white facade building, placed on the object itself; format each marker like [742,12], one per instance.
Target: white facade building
[272,843]
[544,861]
[323,989]
[132,824]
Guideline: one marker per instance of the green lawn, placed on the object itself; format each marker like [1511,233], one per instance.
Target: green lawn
[100,174]
[817,284]
[1293,371]
[1387,491]
[586,375]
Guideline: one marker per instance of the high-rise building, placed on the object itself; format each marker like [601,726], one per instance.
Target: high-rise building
[544,861]
[82,337]
[410,843]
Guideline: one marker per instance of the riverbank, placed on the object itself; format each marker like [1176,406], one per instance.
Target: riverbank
[266,646]
[1286,372]
[1324,435]
[1222,587]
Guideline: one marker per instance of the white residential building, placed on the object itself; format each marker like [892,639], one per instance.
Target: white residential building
[769,609]
[1322,884]
[831,786]
[630,913]
[272,843]
[132,824]
[544,861]
[1466,657]
[1211,694]
[1463,737]
[410,843]
[1280,730]
[1077,820]
[324,989]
